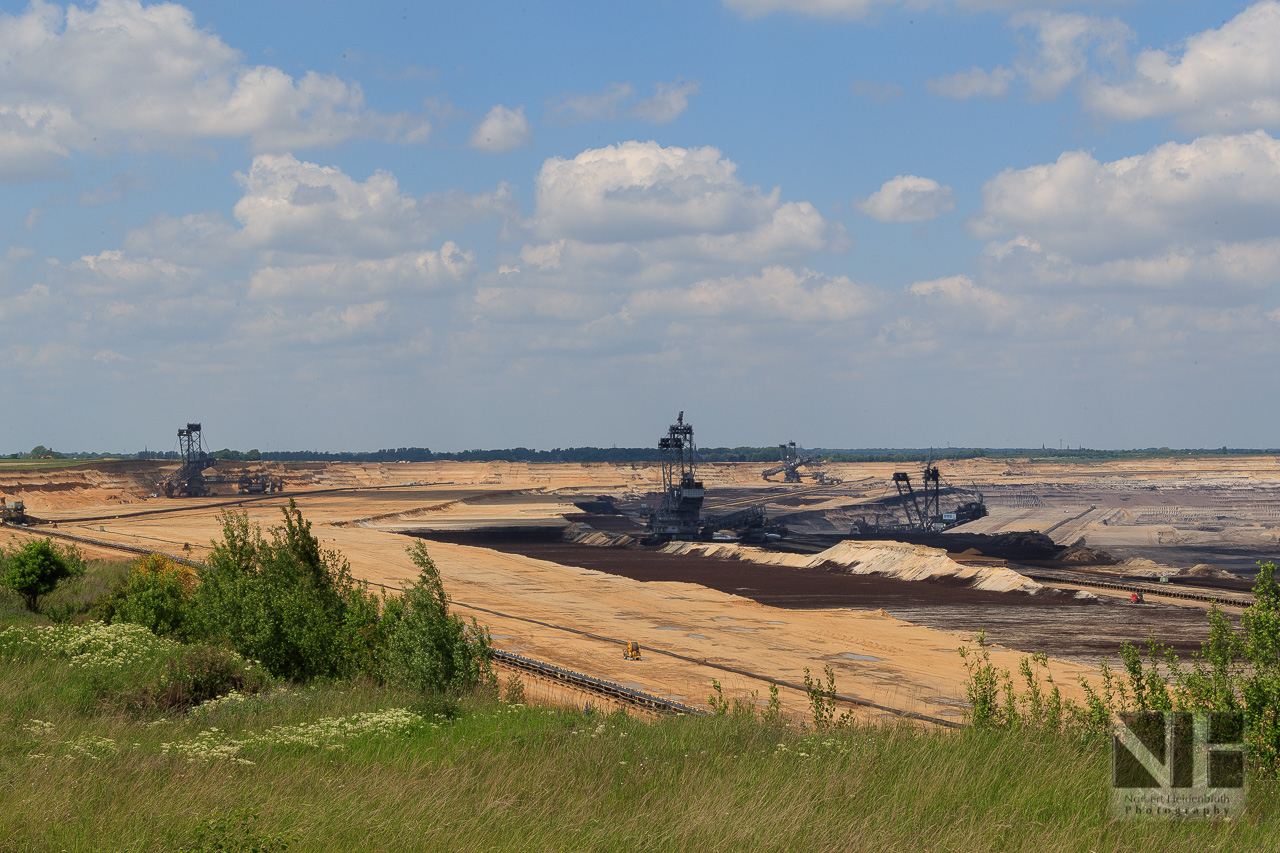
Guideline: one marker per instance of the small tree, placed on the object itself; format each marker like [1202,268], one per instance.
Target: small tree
[158,594]
[430,648]
[1260,626]
[35,570]
[287,602]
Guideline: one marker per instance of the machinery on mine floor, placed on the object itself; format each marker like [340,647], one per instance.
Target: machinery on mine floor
[259,484]
[679,514]
[749,525]
[792,462]
[923,507]
[13,512]
[189,481]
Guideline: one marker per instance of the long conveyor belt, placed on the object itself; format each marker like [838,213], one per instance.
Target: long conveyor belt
[1166,590]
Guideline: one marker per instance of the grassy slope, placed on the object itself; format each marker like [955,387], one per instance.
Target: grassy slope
[90,777]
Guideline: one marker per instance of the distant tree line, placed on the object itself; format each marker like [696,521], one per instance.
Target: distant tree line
[770,453]
[42,452]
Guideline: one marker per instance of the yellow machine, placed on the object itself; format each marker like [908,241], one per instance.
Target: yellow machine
[633,651]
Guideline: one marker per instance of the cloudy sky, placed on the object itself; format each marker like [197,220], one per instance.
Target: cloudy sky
[848,223]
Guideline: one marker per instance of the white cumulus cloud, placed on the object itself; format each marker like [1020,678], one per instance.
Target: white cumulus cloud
[641,191]
[1225,79]
[1202,216]
[61,91]
[306,231]
[908,198]
[634,235]
[502,129]
[1215,188]
[291,205]
[961,293]
[639,216]
[111,273]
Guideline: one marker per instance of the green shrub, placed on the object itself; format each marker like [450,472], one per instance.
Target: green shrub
[235,833]
[157,594]
[430,648]
[286,602]
[35,569]
[1259,683]
[201,673]
[431,706]
[1235,670]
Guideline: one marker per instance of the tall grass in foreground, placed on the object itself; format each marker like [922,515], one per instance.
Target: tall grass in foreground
[355,766]
[109,740]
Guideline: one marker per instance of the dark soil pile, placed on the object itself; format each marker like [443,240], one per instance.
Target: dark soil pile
[1054,622]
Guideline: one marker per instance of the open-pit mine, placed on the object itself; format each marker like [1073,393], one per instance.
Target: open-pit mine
[560,561]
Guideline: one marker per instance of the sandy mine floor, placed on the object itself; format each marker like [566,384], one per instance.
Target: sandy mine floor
[890,641]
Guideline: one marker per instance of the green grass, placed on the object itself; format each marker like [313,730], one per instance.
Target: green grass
[508,777]
[358,766]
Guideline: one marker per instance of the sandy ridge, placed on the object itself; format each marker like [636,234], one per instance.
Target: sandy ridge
[890,559]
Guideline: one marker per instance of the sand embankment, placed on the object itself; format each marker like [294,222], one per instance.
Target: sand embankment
[889,559]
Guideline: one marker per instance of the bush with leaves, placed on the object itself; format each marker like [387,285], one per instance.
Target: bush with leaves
[1235,670]
[287,602]
[158,593]
[428,647]
[35,570]
[822,701]
[236,832]
[191,676]
[771,714]
[1259,640]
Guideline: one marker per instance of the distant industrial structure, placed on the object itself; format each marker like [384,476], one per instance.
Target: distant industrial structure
[13,512]
[923,507]
[679,514]
[792,462]
[191,481]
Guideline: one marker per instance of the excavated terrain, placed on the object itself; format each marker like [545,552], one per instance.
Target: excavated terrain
[886,617]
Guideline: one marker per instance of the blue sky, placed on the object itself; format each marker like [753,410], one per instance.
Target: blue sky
[851,223]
